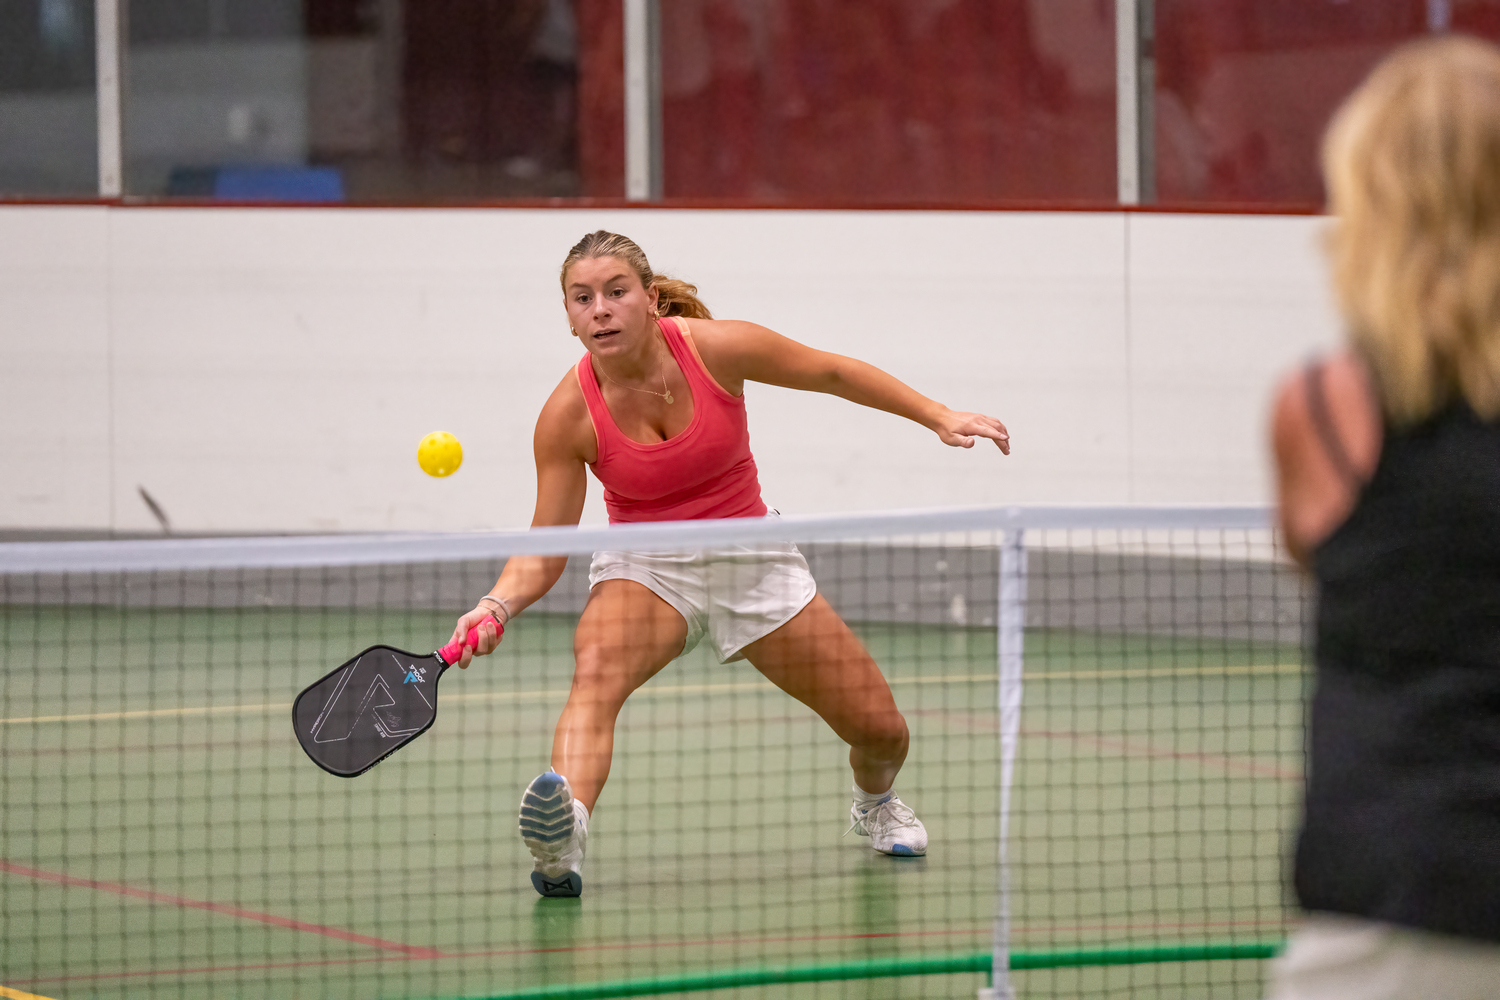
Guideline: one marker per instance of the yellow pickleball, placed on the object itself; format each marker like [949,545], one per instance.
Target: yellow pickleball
[439,454]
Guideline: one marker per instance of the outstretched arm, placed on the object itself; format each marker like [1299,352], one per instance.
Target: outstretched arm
[736,352]
[560,486]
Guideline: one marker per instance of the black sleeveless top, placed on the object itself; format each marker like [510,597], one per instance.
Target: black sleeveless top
[1402,818]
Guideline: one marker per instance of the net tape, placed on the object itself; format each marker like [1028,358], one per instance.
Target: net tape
[410,547]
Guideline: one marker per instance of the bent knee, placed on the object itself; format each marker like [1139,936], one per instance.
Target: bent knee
[881,732]
[598,672]
[603,677]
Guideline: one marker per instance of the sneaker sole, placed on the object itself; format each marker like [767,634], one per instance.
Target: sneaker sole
[546,812]
[570,884]
[902,851]
[547,819]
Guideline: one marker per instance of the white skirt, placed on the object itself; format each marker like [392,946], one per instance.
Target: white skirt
[1335,957]
[733,595]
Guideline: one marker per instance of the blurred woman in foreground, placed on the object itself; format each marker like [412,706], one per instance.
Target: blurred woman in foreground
[1388,463]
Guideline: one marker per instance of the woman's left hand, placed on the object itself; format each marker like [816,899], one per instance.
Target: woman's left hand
[959,430]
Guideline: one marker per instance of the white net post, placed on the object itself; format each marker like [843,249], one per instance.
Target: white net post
[1011,622]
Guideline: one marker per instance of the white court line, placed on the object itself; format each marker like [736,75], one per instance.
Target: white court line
[1139,673]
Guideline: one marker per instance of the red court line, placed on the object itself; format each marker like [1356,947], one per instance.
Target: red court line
[1129,748]
[501,952]
[1135,748]
[1049,929]
[212,970]
[627,946]
[229,911]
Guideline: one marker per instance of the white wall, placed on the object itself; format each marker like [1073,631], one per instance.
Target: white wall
[273,369]
[55,423]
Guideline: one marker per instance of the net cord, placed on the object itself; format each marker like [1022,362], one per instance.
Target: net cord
[1011,620]
[139,555]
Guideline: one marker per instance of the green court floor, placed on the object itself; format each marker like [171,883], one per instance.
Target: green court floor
[162,834]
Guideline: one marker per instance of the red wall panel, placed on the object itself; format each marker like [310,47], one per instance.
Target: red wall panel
[1244,90]
[601,97]
[871,101]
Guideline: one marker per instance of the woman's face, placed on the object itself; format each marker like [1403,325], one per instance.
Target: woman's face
[608,308]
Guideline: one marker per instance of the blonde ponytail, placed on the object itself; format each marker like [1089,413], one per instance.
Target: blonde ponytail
[676,297]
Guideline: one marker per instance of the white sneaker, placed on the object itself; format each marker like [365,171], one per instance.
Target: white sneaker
[555,827]
[891,826]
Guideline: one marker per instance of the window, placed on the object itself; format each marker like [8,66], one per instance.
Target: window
[48,111]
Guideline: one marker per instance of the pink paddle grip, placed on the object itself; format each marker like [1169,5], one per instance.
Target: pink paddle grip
[451,653]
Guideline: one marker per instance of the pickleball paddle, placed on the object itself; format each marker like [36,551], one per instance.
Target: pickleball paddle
[373,705]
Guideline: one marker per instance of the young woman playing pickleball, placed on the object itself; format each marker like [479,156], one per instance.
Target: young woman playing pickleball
[655,409]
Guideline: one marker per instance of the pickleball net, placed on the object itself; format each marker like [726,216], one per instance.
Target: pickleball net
[1109,698]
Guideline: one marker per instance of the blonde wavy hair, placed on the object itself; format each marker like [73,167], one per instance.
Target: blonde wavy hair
[1412,164]
[674,297]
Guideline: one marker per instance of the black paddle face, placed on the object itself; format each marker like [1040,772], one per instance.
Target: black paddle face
[367,709]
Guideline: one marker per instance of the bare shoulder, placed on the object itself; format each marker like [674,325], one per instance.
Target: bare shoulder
[1321,459]
[1349,384]
[724,346]
[1353,412]
[564,429]
[736,351]
[715,329]
[724,337]
[1289,417]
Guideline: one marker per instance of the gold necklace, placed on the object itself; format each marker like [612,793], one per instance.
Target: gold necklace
[667,395]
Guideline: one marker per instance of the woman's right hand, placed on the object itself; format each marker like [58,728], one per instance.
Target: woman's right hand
[482,617]
[960,430]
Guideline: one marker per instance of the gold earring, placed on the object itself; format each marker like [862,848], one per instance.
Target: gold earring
[572,331]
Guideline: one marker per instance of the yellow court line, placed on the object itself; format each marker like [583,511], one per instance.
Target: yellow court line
[1236,670]
[10,994]
[152,713]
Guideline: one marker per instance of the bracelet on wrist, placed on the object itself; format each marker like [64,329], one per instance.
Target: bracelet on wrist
[502,610]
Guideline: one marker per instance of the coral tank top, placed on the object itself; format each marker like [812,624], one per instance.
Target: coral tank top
[705,471]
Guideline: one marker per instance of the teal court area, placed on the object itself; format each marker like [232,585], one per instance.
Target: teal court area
[164,836]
